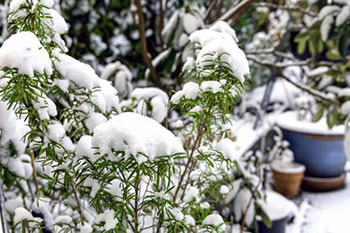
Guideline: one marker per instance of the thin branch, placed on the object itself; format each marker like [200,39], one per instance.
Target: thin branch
[207,17]
[140,23]
[284,7]
[218,11]
[271,51]
[80,211]
[232,15]
[161,23]
[197,142]
[315,93]
[279,66]
[35,175]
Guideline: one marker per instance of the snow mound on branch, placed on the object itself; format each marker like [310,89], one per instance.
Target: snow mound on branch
[81,75]
[149,93]
[326,27]
[222,26]
[24,52]
[45,107]
[16,5]
[108,218]
[158,100]
[327,10]
[12,129]
[191,90]
[75,71]
[135,134]
[56,21]
[220,41]
[226,147]
[22,214]
[211,86]
[7,122]
[121,77]
[170,26]
[215,220]
[190,23]
[343,15]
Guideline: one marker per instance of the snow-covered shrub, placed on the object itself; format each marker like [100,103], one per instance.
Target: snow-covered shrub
[83,165]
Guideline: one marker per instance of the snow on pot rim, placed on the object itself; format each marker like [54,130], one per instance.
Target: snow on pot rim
[276,206]
[287,167]
[289,121]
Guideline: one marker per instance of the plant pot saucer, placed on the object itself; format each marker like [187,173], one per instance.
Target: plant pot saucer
[318,184]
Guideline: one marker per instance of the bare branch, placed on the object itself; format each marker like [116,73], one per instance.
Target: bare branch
[161,23]
[317,94]
[284,7]
[140,23]
[207,17]
[271,51]
[279,66]
[35,176]
[218,11]
[232,15]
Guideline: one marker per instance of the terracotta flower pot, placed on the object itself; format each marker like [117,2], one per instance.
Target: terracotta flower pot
[287,177]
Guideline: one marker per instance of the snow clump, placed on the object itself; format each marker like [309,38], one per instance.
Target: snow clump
[225,146]
[158,100]
[220,40]
[215,220]
[135,135]
[25,52]
[120,76]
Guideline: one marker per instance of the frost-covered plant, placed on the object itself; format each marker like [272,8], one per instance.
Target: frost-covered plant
[56,99]
[215,81]
[86,166]
[92,168]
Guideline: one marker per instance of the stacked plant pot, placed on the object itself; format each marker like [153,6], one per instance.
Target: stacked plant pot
[287,177]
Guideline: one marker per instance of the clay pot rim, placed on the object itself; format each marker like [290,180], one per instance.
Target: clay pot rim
[293,171]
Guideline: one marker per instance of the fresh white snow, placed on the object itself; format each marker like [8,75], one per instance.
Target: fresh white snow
[25,52]
[135,134]
[220,41]
[287,167]
[289,121]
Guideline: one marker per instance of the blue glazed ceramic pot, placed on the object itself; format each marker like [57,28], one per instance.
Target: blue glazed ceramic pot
[322,155]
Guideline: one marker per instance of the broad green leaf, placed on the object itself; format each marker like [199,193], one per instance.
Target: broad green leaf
[303,36]
[319,113]
[319,45]
[333,55]
[312,46]
[264,217]
[301,46]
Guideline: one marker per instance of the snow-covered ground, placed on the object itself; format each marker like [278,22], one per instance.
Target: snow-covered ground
[329,212]
[323,212]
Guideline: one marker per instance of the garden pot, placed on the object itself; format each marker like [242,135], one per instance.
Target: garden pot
[278,226]
[279,210]
[287,177]
[314,145]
